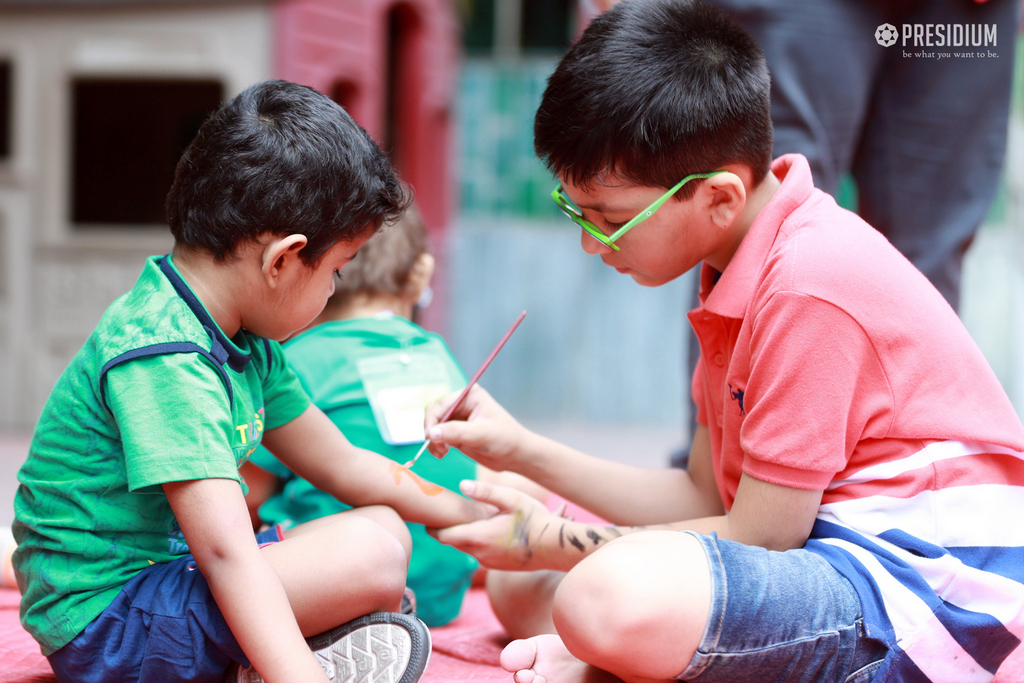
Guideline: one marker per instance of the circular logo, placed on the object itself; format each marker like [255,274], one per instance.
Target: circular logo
[886,35]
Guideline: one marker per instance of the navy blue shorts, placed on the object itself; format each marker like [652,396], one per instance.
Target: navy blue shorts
[164,625]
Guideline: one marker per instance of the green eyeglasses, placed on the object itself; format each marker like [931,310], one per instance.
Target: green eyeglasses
[573,212]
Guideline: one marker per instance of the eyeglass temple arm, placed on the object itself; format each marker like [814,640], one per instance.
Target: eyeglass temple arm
[646,213]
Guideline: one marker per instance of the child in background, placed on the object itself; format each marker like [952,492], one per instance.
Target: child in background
[362,349]
[136,556]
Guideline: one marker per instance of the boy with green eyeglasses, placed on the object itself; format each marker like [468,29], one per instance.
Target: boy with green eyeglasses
[844,513]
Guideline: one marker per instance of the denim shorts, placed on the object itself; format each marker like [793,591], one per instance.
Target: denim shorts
[780,616]
[163,626]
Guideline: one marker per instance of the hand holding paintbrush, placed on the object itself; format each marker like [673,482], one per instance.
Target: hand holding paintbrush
[476,376]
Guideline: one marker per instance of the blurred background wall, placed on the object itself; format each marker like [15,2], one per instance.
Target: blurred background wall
[92,91]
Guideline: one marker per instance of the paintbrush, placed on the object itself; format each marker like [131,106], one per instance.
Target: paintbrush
[476,376]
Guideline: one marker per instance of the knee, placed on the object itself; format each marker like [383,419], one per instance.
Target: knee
[593,608]
[386,559]
[639,593]
[395,525]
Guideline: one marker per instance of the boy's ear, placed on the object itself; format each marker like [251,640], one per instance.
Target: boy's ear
[726,196]
[420,275]
[279,254]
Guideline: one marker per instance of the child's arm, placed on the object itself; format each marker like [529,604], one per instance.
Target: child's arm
[526,536]
[620,493]
[213,516]
[313,447]
[763,514]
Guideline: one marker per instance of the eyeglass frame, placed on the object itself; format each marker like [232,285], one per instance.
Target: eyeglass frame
[573,212]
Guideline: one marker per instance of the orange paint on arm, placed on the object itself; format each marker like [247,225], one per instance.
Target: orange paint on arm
[427,487]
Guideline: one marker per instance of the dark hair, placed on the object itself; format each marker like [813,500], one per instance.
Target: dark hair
[281,158]
[655,90]
[385,261]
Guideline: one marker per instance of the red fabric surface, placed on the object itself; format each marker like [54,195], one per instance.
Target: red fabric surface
[465,650]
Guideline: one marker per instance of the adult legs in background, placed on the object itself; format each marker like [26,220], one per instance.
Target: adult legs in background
[934,140]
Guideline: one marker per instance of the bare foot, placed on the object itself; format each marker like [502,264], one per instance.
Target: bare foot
[545,659]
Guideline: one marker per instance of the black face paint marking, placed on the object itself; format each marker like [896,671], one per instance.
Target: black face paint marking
[576,543]
[594,536]
[561,536]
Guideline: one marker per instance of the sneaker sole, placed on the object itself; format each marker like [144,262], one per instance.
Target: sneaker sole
[383,647]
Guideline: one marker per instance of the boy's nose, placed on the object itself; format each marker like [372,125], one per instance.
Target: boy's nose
[591,245]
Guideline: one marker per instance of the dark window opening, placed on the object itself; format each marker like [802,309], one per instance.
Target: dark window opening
[543,24]
[546,24]
[344,93]
[128,135]
[6,101]
[477,25]
[402,26]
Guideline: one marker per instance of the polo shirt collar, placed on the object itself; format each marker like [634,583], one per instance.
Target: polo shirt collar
[222,348]
[728,293]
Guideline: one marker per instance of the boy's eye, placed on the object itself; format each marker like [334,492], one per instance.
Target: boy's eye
[613,226]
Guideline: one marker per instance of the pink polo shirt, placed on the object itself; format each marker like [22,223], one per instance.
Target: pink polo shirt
[824,351]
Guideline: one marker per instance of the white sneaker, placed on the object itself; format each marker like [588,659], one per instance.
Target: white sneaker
[383,647]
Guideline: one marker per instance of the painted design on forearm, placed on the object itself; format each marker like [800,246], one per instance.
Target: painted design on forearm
[594,536]
[425,486]
[576,542]
[561,536]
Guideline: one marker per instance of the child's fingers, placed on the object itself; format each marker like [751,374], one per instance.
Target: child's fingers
[456,434]
[438,408]
[504,498]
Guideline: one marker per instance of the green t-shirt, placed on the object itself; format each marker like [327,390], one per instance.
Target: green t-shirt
[157,394]
[327,359]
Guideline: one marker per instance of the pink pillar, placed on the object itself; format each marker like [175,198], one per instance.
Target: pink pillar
[344,49]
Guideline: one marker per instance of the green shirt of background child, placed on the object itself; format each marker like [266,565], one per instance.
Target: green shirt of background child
[369,320]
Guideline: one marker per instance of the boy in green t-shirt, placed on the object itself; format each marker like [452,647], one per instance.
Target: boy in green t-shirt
[136,555]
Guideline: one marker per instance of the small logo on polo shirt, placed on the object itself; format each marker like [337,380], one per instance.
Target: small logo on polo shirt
[737,395]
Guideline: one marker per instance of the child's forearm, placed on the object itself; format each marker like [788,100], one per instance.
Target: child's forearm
[524,535]
[313,448]
[372,479]
[621,493]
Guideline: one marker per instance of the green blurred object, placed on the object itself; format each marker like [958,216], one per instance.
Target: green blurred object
[846,194]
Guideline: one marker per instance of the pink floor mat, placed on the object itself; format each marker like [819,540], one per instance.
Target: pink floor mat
[464,651]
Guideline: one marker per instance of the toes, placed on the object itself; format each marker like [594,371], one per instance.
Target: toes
[519,655]
[526,676]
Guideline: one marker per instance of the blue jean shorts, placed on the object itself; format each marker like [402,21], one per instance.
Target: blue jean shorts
[163,626]
[780,616]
